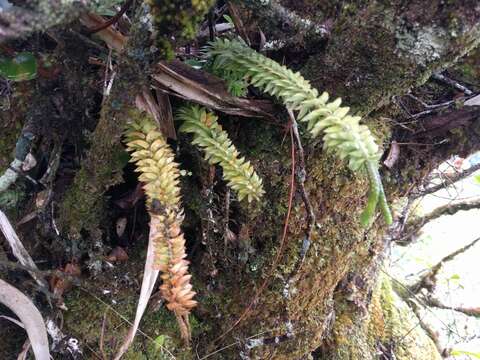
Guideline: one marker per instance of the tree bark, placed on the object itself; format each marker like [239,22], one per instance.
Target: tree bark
[263,293]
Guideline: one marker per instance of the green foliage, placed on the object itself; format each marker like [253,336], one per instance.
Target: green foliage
[20,68]
[108,7]
[236,83]
[209,135]
[475,355]
[342,133]
[476,178]
[178,19]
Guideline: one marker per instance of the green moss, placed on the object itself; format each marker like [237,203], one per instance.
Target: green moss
[10,129]
[390,326]
[115,295]
[81,207]
[176,19]
[379,54]
[83,204]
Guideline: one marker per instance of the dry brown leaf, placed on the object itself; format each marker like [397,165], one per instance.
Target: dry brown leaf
[118,254]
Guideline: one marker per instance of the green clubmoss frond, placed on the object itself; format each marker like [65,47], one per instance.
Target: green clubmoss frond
[342,133]
[209,135]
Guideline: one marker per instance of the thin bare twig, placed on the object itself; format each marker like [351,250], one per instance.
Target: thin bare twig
[430,301]
[301,176]
[113,19]
[449,209]
[449,181]
[102,336]
[442,78]
[429,279]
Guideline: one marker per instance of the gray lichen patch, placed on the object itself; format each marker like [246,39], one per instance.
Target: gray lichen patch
[422,44]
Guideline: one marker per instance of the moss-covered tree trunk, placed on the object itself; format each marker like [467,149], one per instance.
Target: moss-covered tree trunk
[263,295]
[333,299]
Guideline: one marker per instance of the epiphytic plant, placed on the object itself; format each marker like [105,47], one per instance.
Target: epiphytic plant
[159,173]
[342,133]
[209,135]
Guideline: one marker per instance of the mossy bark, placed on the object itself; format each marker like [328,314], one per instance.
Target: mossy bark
[384,49]
[333,300]
[386,327]
[374,53]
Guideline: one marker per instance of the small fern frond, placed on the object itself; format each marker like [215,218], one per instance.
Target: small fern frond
[159,173]
[341,132]
[209,135]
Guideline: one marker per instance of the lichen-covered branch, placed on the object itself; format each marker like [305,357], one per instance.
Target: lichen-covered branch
[469,311]
[22,148]
[282,25]
[17,21]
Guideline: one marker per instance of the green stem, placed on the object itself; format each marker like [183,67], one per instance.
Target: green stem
[376,194]
[373,195]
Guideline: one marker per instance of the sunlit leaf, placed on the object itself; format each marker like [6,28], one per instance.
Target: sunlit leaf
[20,68]
[228,18]
[468,353]
[159,341]
[476,178]
[196,64]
